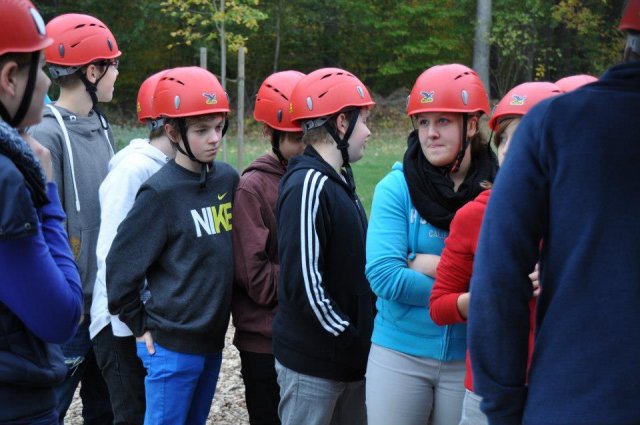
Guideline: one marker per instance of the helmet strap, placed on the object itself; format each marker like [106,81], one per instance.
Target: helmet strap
[465,143]
[92,88]
[23,108]
[275,147]
[343,145]
[182,127]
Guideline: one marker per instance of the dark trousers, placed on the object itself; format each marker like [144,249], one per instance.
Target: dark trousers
[262,392]
[96,407]
[124,374]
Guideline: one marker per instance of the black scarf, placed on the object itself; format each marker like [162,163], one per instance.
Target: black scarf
[16,149]
[431,188]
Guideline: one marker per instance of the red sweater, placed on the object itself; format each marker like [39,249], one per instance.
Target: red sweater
[454,271]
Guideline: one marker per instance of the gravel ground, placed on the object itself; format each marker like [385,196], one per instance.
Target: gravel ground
[228,404]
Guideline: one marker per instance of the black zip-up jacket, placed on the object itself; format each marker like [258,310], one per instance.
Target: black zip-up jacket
[326,308]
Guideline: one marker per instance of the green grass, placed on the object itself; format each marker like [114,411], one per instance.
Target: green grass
[384,148]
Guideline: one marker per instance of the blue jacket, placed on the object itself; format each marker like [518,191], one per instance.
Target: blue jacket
[570,179]
[396,232]
[40,292]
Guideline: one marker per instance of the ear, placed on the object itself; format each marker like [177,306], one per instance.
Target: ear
[472,126]
[172,133]
[342,123]
[91,72]
[9,78]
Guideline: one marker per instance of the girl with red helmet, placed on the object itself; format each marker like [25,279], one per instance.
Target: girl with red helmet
[325,308]
[177,236]
[573,82]
[449,302]
[416,369]
[255,247]
[40,291]
[113,342]
[82,61]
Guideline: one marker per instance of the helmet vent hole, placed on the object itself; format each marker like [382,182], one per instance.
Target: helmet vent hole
[326,76]
[322,94]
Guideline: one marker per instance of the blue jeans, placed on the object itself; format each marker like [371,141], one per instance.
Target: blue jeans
[179,387]
[80,358]
[310,400]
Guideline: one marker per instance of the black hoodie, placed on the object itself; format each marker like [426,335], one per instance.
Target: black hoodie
[325,318]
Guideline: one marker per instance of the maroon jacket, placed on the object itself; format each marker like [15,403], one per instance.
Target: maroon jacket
[255,249]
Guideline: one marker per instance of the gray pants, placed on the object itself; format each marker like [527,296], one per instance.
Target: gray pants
[310,400]
[410,390]
[471,413]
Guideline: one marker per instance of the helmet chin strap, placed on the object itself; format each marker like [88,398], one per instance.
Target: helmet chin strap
[275,147]
[455,166]
[92,89]
[23,108]
[343,146]
[206,166]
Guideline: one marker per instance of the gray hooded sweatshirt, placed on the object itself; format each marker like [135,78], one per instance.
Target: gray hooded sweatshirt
[91,148]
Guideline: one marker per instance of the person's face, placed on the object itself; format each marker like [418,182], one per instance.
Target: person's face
[505,139]
[204,134]
[107,83]
[34,113]
[359,137]
[291,144]
[441,137]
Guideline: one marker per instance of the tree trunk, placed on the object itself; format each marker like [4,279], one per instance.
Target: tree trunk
[223,71]
[276,55]
[481,42]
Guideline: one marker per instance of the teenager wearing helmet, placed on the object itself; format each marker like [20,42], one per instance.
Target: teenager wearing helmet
[82,61]
[325,308]
[113,342]
[449,302]
[570,180]
[178,236]
[40,291]
[416,368]
[255,247]
[573,82]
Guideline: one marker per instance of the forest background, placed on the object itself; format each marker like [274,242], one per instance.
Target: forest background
[386,43]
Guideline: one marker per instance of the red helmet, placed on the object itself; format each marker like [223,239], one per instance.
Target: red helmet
[520,99]
[22,28]
[573,82]
[448,88]
[631,16]
[272,100]
[145,96]
[79,40]
[188,91]
[326,91]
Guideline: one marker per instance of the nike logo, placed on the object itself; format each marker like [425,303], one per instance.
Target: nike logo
[220,197]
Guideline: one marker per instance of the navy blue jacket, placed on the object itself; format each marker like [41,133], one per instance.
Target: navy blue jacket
[40,291]
[570,180]
[325,315]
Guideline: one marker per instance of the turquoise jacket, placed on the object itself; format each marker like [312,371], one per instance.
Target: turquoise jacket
[396,232]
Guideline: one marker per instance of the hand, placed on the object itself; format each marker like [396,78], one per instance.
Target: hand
[463,305]
[535,280]
[425,264]
[42,154]
[148,341]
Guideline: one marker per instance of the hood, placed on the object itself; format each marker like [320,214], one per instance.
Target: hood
[266,164]
[77,124]
[139,147]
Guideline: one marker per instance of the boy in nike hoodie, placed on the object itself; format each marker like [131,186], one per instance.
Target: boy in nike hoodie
[83,61]
[177,236]
[322,330]
[113,342]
